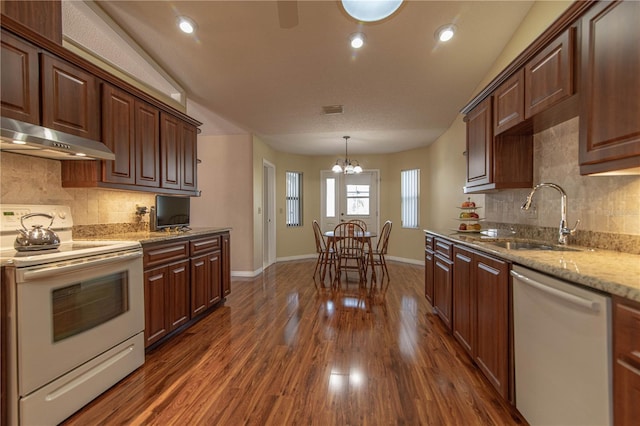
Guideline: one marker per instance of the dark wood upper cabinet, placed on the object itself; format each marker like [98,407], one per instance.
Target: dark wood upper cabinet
[189,158]
[170,151]
[20,79]
[118,134]
[42,16]
[70,98]
[147,144]
[480,144]
[549,75]
[508,103]
[610,88]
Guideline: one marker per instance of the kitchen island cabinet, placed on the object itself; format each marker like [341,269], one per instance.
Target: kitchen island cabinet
[610,86]
[429,261]
[184,280]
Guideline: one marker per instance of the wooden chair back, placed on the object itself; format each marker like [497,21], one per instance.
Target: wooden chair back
[360,222]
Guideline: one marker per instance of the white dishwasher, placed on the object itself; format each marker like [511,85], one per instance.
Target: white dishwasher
[562,351]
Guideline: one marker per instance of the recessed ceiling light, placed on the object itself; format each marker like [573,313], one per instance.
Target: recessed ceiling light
[445,32]
[186,25]
[357,40]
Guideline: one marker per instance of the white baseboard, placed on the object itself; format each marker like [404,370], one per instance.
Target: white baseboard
[300,257]
[405,260]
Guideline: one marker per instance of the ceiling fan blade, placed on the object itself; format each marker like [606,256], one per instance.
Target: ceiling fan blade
[287,13]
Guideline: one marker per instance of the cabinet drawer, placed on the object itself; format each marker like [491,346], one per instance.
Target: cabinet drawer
[165,253]
[443,247]
[203,245]
[428,242]
[627,332]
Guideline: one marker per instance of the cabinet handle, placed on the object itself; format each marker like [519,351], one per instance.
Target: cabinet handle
[568,297]
[628,366]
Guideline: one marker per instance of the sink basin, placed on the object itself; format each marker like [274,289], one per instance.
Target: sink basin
[531,245]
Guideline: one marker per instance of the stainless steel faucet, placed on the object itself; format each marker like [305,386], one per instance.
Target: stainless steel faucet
[563,231]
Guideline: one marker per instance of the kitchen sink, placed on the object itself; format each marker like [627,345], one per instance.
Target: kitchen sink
[531,245]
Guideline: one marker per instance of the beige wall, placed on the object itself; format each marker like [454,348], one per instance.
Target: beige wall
[225,177]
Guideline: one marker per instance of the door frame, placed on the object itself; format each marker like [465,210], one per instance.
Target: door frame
[269,214]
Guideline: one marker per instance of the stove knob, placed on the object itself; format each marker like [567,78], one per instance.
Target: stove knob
[62,214]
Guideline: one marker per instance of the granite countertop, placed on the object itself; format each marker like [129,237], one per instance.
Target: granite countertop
[609,271]
[148,237]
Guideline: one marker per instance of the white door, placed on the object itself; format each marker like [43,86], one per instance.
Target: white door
[347,197]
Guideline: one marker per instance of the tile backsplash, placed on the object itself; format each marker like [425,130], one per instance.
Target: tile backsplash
[32,180]
[606,204]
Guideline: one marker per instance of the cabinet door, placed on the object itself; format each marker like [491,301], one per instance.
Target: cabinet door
[156,304]
[443,276]
[170,151]
[214,284]
[492,343]
[118,125]
[189,157]
[179,285]
[548,76]
[226,265]
[508,103]
[479,144]
[147,137]
[626,358]
[464,299]
[610,84]
[70,98]
[20,80]
[199,284]
[429,261]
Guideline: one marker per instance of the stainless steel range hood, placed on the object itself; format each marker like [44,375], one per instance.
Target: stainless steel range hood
[29,139]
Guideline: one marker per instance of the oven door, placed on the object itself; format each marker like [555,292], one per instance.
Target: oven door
[70,312]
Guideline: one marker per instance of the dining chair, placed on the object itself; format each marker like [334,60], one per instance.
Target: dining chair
[349,244]
[326,255]
[379,253]
[360,222]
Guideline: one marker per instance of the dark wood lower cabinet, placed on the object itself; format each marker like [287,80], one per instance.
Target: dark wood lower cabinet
[626,359]
[471,297]
[491,278]
[182,281]
[464,310]
[443,281]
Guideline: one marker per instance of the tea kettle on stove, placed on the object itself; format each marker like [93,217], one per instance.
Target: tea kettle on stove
[36,238]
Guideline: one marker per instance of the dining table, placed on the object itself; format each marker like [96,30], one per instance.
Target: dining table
[366,236]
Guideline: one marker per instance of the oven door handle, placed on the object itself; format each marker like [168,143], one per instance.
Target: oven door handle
[66,268]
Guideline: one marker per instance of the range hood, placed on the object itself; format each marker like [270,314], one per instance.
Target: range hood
[29,139]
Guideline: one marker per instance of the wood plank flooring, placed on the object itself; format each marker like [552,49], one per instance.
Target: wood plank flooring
[280,352]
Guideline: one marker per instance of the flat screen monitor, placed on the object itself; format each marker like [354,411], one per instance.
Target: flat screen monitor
[172,211]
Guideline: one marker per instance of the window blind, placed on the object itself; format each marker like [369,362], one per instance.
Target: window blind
[294,198]
[410,197]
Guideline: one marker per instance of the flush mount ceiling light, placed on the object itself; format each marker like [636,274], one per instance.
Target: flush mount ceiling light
[445,32]
[346,165]
[186,25]
[370,10]
[357,40]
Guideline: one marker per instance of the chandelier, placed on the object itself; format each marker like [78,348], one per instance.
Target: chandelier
[347,166]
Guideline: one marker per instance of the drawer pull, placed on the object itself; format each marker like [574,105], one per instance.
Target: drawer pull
[628,366]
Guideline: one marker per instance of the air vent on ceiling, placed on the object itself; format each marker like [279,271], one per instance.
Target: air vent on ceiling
[333,109]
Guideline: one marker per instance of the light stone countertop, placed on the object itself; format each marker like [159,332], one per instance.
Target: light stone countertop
[608,271]
[146,237]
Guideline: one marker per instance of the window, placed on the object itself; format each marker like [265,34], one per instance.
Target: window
[294,198]
[410,197]
[330,197]
[357,200]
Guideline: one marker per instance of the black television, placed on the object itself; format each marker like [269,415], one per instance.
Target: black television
[172,211]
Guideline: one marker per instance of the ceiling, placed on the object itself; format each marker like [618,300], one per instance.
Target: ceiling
[400,91]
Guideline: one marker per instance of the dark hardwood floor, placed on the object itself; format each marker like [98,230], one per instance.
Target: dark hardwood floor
[280,352]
